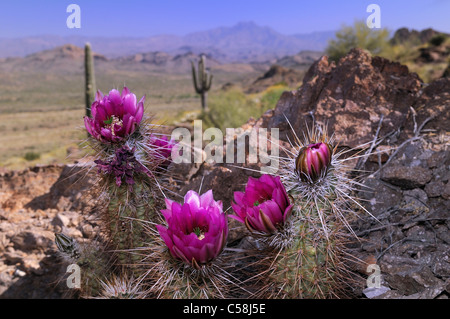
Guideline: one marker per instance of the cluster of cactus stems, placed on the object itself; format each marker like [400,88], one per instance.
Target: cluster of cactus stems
[156,247]
[202,80]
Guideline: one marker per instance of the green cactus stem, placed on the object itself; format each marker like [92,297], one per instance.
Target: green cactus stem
[129,208]
[307,257]
[202,81]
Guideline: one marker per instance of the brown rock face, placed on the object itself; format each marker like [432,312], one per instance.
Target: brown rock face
[351,97]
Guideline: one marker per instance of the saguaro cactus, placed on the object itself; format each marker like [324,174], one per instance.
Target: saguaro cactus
[89,78]
[202,83]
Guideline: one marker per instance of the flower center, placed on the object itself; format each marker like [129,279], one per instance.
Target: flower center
[199,232]
[111,122]
[261,200]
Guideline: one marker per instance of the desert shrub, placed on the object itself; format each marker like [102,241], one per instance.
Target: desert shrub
[357,36]
[438,39]
[271,96]
[31,156]
[229,109]
[232,108]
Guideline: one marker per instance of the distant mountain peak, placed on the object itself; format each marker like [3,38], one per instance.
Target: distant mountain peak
[246,41]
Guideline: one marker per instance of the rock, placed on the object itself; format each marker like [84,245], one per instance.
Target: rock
[61,221]
[414,202]
[375,292]
[14,257]
[413,281]
[64,191]
[379,197]
[19,273]
[441,265]
[351,97]
[87,231]
[33,240]
[406,177]
[439,158]
[435,189]
[31,264]
[446,191]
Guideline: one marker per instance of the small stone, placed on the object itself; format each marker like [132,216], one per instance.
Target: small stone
[434,189]
[446,191]
[406,177]
[60,220]
[438,158]
[31,240]
[375,292]
[19,273]
[87,231]
[414,202]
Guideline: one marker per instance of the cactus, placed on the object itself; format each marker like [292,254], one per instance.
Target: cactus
[298,219]
[202,82]
[90,89]
[130,159]
[303,248]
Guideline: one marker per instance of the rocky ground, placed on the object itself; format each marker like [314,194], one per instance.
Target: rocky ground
[363,99]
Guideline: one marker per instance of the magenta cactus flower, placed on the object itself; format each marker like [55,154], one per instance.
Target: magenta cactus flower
[114,116]
[197,229]
[161,149]
[313,161]
[263,206]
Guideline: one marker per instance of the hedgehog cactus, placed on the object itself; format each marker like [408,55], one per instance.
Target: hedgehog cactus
[127,160]
[298,219]
[304,250]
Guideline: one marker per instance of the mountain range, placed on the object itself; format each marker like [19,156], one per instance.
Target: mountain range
[243,42]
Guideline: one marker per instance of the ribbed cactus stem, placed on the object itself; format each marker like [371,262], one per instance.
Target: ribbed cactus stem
[202,82]
[306,268]
[90,88]
[307,256]
[129,208]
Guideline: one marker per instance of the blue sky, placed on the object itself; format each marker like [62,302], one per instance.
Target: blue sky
[141,18]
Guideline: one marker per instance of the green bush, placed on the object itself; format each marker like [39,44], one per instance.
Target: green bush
[31,156]
[438,39]
[271,96]
[229,109]
[357,36]
[232,108]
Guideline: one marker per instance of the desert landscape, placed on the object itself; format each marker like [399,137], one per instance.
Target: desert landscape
[396,103]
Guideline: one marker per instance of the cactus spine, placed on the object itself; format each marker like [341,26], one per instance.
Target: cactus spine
[202,81]
[90,89]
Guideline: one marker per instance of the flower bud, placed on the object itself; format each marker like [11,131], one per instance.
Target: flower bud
[313,161]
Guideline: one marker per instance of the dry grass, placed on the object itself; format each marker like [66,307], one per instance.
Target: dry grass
[41,111]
